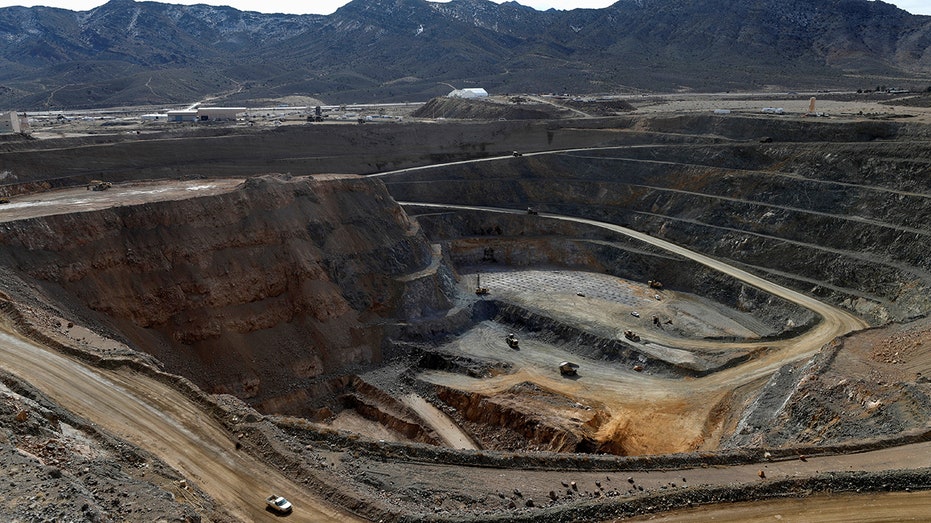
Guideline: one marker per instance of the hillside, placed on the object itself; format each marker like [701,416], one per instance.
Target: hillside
[149,53]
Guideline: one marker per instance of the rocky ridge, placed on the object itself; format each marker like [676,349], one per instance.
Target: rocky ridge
[147,53]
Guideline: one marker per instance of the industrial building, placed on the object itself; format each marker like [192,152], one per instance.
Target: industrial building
[182,115]
[205,114]
[13,122]
[219,114]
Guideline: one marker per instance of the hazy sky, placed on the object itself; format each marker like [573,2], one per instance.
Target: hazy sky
[328,6]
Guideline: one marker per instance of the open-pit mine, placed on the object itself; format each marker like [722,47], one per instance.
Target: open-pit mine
[651,314]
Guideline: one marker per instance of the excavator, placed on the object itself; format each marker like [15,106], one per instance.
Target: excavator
[98,185]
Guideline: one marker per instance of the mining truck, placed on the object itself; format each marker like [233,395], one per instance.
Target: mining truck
[512,340]
[631,335]
[531,210]
[567,368]
[655,284]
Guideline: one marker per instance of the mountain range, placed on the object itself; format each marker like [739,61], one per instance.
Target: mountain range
[149,53]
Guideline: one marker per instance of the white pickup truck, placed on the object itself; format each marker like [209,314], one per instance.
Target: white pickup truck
[278,504]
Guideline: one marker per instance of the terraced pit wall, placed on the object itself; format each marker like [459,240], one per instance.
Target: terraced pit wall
[211,151]
[844,221]
[259,292]
[172,151]
[524,241]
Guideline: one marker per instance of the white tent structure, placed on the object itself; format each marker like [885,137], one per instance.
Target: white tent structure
[474,92]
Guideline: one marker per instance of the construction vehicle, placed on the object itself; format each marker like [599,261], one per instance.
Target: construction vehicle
[479,290]
[655,284]
[99,185]
[567,368]
[531,210]
[4,200]
[631,335]
[512,340]
[517,154]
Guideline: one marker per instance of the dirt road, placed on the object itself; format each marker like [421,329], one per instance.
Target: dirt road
[67,201]
[164,422]
[680,410]
[834,508]
[449,432]
[835,322]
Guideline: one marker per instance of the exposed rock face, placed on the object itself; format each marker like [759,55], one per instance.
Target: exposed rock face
[484,240]
[252,292]
[519,410]
[865,385]
[842,221]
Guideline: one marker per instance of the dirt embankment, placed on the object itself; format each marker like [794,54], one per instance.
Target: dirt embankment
[872,384]
[57,465]
[516,108]
[289,277]
[32,165]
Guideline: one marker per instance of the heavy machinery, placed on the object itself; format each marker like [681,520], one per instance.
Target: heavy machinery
[98,185]
[568,368]
[512,340]
[631,335]
[479,290]
[531,210]
[655,284]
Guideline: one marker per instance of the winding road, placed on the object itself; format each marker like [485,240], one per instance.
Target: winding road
[164,422]
[834,322]
[680,411]
[161,420]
